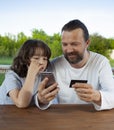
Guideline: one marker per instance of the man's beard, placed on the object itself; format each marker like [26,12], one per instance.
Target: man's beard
[73,57]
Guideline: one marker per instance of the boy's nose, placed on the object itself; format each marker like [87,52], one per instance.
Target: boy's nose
[40,61]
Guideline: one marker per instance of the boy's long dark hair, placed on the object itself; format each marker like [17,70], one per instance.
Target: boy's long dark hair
[27,50]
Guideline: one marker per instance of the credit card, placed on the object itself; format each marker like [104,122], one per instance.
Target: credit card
[77,81]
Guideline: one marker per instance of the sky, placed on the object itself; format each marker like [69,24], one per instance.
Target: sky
[50,15]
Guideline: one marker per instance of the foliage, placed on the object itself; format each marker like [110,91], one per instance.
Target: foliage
[55,45]
[52,41]
[112,63]
[10,44]
[101,45]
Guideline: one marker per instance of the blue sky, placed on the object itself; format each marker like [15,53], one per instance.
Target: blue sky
[50,15]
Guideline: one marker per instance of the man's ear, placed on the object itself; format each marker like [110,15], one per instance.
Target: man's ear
[88,43]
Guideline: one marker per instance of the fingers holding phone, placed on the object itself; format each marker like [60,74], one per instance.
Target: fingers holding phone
[45,95]
[48,88]
[50,76]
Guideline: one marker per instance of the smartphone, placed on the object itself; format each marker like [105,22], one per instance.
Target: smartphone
[50,76]
[77,81]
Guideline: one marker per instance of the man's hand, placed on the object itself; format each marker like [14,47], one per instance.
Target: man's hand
[45,95]
[87,93]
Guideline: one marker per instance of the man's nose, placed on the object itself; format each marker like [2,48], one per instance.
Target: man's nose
[69,49]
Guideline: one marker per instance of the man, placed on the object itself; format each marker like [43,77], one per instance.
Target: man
[78,63]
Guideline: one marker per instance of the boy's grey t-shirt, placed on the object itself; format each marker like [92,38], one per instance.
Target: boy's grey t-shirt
[13,81]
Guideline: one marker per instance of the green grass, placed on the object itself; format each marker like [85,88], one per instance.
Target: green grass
[6,60]
[2,76]
[112,63]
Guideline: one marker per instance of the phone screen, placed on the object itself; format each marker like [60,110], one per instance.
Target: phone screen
[50,76]
[77,81]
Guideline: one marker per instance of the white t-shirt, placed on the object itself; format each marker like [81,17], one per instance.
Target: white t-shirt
[97,71]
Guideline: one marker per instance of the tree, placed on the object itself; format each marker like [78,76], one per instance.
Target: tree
[100,45]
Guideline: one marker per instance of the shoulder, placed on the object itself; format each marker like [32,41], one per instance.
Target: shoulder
[12,74]
[11,81]
[12,78]
[98,57]
[98,61]
[58,60]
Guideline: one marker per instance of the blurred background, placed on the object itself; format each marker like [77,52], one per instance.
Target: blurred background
[43,19]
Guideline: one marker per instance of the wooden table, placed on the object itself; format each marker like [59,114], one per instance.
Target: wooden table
[57,117]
